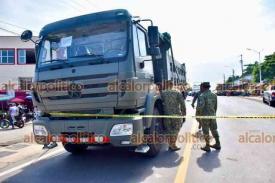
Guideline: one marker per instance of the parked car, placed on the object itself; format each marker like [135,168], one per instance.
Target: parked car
[269,96]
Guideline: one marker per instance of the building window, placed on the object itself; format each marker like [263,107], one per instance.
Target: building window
[26,56]
[25,83]
[6,56]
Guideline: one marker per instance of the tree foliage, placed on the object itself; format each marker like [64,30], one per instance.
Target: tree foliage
[267,67]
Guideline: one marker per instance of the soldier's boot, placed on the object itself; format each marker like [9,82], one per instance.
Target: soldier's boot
[217,145]
[172,144]
[206,148]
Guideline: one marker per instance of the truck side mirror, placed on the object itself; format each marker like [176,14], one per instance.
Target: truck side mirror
[26,35]
[155,51]
[153,34]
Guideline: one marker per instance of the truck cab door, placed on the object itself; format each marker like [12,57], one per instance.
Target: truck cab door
[143,61]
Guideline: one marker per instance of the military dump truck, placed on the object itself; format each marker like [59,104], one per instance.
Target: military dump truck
[94,67]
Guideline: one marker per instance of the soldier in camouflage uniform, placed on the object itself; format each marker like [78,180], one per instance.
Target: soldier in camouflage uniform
[207,106]
[173,104]
[197,98]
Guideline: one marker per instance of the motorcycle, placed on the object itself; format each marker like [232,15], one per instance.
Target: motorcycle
[27,115]
[5,121]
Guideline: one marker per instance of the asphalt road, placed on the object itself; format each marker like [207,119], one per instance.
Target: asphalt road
[11,136]
[242,158]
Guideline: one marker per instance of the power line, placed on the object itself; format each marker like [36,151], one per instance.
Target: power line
[1,28]
[20,27]
[94,4]
[75,5]
[17,26]
[80,5]
[69,3]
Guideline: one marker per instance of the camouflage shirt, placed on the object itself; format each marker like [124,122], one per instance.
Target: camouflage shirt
[173,102]
[207,104]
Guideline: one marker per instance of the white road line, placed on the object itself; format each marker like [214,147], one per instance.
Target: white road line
[31,162]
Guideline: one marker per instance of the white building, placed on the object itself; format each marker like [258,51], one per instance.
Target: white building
[17,62]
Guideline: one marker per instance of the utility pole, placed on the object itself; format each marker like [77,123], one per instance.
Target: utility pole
[233,77]
[241,79]
[241,61]
[223,82]
[260,68]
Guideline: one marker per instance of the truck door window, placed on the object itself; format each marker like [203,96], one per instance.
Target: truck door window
[142,42]
[135,41]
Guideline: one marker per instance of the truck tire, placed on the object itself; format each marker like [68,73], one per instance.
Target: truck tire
[75,148]
[154,132]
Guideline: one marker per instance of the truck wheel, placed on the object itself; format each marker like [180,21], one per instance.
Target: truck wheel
[154,133]
[75,148]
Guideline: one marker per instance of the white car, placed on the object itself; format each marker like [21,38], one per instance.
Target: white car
[269,95]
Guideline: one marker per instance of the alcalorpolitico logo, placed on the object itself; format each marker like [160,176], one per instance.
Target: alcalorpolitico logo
[257,137]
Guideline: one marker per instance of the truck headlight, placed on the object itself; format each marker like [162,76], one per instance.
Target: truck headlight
[122,129]
[40,130]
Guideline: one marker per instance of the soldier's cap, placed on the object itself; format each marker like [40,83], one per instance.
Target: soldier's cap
[205,84]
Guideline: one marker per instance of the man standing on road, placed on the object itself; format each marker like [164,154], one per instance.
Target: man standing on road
[207,106]
[13,112]
[196,98]
[173,104]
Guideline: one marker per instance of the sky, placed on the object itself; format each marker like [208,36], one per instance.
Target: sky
[208,35]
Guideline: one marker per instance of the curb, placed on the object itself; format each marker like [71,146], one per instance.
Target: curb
[254,99]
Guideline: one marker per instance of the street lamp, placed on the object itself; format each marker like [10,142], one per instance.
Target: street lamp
[233,75]
[260,68]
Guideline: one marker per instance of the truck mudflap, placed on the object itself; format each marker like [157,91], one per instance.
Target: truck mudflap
[89,131]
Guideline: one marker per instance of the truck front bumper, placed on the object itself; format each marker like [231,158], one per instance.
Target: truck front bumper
[98,131]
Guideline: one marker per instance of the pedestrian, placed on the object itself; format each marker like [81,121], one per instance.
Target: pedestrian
[173,105]
[207,106]
[183,92]
[197,98]
[13,112]
[19,108]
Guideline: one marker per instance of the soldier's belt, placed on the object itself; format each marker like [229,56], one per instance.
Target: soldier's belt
[160,116]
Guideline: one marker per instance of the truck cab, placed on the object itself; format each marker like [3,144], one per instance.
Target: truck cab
[91,69]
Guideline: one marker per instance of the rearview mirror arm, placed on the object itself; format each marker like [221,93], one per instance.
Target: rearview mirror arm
[143,20]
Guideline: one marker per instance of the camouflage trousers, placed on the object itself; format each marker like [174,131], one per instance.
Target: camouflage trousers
[209,124]
[172,127]
[198,119]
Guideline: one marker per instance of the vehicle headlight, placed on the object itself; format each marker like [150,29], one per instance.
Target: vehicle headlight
[40,130]
[122,129]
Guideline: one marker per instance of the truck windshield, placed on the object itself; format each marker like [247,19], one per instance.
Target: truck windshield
[103,40]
